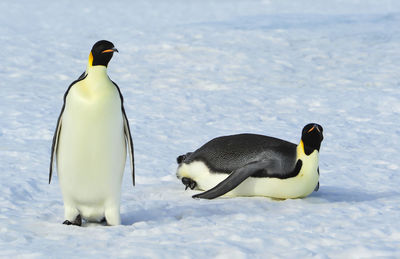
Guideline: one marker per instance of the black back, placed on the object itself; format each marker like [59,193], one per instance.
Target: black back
[228,153]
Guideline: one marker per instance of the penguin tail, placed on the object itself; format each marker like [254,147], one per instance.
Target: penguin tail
[180,159]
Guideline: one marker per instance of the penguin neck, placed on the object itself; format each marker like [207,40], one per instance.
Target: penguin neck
[96,71]
[97,79]
[301,154]
[309,172]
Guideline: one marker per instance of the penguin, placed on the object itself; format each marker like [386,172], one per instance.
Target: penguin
[90,144]
[254,165]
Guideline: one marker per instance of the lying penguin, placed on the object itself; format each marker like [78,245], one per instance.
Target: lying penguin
[254,165]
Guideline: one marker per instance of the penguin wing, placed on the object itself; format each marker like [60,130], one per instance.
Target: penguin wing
[58,128]
[317,187]
[128,136]
[55,144]
[237,177]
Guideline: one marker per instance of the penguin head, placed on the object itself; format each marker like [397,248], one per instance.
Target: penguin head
[101,53]
[312,137]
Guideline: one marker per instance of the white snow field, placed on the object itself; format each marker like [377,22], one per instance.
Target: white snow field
[191,71]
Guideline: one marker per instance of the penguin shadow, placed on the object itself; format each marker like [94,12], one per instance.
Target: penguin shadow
[164,211]
[334,194]
[90,224]
[167,212]
[157,214]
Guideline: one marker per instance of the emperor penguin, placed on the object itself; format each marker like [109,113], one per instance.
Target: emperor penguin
[254,165]
[90,143]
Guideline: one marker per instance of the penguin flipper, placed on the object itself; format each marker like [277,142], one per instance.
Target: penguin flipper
[128,138]
[234,179]
[317,187]
[54,145]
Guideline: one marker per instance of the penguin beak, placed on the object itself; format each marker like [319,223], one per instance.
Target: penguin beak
[110,50]
[315,126]
[311,129]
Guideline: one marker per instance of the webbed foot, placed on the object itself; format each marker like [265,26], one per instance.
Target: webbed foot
[189,183]
[76,222]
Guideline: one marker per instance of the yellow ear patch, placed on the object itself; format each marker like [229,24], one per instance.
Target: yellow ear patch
[300,149]
[107,50]
[90,59]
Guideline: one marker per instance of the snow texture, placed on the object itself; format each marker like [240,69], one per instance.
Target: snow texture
[191,71]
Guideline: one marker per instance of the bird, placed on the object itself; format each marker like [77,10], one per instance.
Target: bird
[91,142]
[254,165]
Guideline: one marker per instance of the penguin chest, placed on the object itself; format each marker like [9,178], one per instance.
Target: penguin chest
[299,186]
[91,153]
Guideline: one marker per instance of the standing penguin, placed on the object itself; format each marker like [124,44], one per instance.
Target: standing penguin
[90,143]
[254,165]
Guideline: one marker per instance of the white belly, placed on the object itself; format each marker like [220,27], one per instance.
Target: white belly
[91,152]
[295,187]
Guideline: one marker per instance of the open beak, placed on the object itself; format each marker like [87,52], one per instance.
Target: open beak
[110,50]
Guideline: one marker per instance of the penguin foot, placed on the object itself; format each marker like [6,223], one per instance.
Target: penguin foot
[189,183]
[76,222]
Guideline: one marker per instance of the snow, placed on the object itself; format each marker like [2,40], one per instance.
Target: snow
[191,71]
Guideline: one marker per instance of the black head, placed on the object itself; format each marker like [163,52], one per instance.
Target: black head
[312,137]
[102,53]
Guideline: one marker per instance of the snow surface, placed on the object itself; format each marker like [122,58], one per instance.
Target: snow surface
[191,71]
